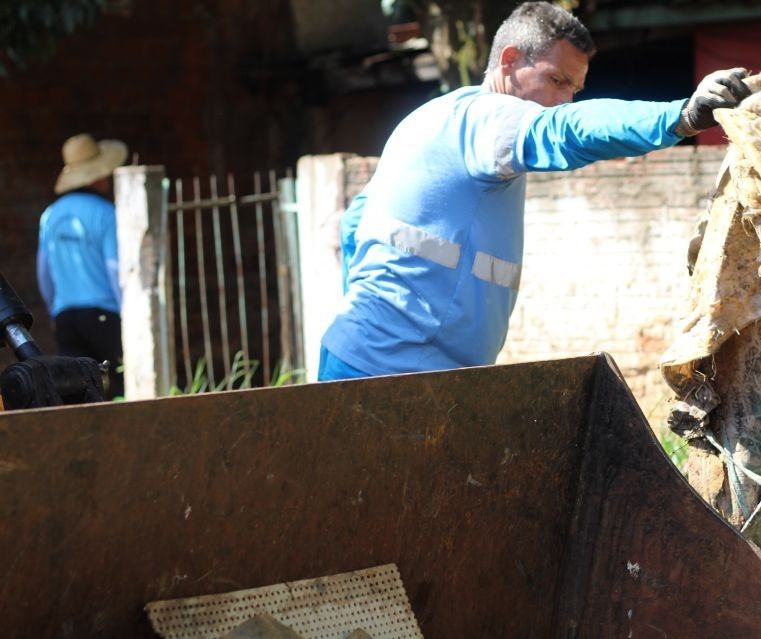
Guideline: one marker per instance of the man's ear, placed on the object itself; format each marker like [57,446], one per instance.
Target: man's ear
[508,57]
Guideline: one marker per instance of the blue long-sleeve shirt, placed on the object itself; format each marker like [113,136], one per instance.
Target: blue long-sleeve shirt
[77,261]
[433,246]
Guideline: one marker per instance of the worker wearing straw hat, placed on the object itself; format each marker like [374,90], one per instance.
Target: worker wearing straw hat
[77,269]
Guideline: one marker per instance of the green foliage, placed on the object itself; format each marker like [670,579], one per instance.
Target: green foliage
[283,378]
[675,447]
[31,29]
[469,60]
[568,5]
[241,375]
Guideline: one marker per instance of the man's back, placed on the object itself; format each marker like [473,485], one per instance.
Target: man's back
[441,222]
[78,238]
[437,260]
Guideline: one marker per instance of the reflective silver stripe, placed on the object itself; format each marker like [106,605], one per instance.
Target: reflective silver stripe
[410,239]
[497,271]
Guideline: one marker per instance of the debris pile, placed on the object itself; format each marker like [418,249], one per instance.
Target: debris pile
[714,365]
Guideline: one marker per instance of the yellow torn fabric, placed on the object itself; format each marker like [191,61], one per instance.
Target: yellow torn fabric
[725,290]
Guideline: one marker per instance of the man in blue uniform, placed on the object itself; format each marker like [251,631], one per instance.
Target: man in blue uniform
[77,268]
[434,243]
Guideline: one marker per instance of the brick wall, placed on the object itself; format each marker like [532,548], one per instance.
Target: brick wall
[605,261]
[357,173]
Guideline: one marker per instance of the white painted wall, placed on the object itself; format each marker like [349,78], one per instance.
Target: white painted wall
[320,195]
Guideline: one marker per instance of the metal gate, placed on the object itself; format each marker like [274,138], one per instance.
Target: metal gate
[236,293]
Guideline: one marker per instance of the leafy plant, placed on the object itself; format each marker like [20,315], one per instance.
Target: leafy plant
[240,376]
[282,378]
[31,29]
[568,5]
[675,447]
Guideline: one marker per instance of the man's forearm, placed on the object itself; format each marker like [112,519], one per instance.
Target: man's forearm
[570,136]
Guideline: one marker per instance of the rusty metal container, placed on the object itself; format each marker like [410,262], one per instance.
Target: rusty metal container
[525,501]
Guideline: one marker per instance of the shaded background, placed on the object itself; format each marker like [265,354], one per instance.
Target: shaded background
[236,86]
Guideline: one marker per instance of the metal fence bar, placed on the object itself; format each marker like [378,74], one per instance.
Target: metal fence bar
[258,197]
[287,187]
[283,290]
[202,284]
[223,200]
[183,287]
[284,268]
[221,292]
[199,202]
[238,253]
[165,298]
[261,248]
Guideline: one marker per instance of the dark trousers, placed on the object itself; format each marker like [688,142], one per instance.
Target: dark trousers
[95,333]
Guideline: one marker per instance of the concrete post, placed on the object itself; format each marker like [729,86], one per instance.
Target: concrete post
[289,278]
[145,278]
[320,190]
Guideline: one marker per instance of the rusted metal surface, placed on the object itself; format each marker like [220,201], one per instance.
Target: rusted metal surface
[646,556]
[521,501]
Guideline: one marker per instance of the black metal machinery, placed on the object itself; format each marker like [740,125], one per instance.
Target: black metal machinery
[38,380]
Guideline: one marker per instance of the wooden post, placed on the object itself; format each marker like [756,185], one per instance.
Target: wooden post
[145,278]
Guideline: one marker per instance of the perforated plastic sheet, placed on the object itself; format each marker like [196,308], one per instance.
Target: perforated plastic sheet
[325,608]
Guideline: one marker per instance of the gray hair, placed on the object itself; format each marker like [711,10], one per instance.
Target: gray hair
[534,27]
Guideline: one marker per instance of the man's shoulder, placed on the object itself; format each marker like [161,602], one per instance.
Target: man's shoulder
[482,91]
[481,100]
[83,200]
[478,99]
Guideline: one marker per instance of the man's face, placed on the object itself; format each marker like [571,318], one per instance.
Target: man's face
[553,78]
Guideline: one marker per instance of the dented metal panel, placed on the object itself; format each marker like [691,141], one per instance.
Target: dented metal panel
[520,501]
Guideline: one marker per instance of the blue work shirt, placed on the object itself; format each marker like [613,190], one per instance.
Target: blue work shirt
[77,265]
[434,244]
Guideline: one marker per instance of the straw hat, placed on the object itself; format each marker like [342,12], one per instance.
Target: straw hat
[86,161]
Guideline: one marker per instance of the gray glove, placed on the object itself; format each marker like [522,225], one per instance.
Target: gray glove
[718,90]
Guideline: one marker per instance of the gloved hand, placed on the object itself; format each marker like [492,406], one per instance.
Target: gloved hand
[718,90]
